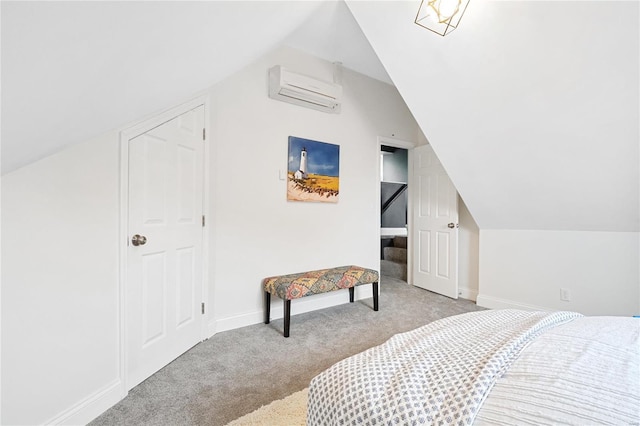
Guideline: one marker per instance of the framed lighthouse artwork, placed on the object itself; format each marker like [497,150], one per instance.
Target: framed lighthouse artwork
[313,171]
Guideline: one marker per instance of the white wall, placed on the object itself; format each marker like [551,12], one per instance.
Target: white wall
[59,283]
[257,232]
[468,253]
[526,269]
[60,301]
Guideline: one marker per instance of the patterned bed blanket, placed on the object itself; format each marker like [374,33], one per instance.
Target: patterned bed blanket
[437,374]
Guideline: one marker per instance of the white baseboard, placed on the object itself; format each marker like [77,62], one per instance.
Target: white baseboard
[298,306]
[467,293]
[211,328]
[236,321]
[497,303]
[92,406]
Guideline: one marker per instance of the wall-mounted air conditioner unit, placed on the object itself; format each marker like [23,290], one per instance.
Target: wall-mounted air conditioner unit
[303,90]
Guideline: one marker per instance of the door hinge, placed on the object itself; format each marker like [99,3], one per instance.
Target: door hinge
[204,134]
[202,308]
[203,221]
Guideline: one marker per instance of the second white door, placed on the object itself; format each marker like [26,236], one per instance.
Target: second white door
[165,230]
[434,232]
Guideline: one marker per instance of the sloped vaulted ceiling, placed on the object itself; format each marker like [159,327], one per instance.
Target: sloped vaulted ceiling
[75,69]
[532,106]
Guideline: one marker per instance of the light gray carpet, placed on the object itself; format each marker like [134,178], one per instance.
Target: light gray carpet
[238,371]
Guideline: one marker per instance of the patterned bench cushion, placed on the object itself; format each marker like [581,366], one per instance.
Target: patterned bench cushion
[294,286]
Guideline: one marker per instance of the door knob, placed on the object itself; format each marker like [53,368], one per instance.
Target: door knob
[138,240]
[452,225]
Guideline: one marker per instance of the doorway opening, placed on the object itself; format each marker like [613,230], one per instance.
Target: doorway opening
[394,198]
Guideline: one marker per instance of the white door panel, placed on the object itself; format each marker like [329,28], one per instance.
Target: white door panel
[435,244]
[424,251]
[164,282]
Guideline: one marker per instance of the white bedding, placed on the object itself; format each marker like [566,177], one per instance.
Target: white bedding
[437,374]
[452,371]
[585,372]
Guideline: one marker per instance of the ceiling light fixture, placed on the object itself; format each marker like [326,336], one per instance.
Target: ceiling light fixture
[441,16]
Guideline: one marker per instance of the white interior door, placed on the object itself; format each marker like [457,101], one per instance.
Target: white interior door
[164,273]
[434,230]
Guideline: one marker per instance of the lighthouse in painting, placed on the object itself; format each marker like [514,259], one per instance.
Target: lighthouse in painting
[302,171]
[317,179]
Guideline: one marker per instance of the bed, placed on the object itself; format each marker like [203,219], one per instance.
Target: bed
[489,367]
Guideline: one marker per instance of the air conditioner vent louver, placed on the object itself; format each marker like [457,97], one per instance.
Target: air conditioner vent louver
[303,90]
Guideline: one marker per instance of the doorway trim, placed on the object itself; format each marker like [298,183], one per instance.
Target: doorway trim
[138,128]
[408,145]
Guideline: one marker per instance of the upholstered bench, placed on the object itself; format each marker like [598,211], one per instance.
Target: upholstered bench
[295,286]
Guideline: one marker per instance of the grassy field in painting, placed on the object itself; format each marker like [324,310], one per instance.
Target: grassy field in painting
[314,188]
[321,182]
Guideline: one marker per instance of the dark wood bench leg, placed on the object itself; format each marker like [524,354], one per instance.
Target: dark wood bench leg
[375,296]
[287,317]
[351,293]
[267,307]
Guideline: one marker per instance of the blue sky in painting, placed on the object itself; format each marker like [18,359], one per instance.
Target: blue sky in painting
[322,158]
